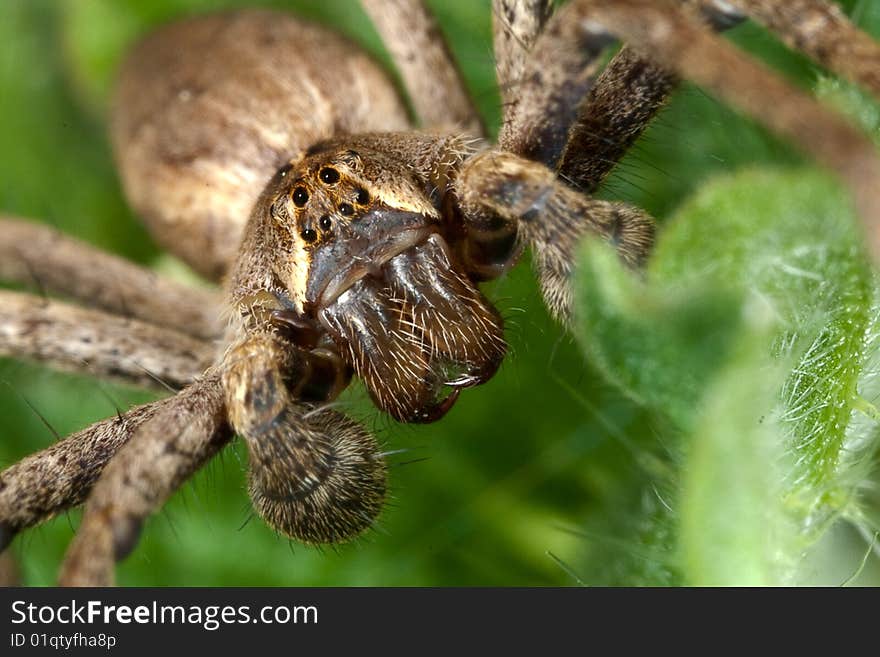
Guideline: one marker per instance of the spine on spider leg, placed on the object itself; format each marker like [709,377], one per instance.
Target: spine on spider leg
[551,218]
[314,474]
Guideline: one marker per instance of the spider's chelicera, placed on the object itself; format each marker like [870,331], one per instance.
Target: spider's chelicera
[363,253]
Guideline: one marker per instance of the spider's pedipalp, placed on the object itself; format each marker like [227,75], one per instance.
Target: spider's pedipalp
[552,218]
[416,45]
[79,339]
[318,479]
[314,475]
[34,254]
[61,476]
[516,25]
[162,453]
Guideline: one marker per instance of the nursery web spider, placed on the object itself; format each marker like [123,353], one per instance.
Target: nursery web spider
[272,155]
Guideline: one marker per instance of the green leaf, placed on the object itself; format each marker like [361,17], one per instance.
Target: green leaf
[657,342]
[734,530]
[761,408]
[792,238]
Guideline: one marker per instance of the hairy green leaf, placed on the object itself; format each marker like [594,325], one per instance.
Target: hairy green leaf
[758,449]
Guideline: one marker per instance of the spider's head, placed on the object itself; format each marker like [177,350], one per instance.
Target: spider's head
[350,213]
[360,247]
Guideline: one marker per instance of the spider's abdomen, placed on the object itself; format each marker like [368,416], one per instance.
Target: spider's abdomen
[208,109]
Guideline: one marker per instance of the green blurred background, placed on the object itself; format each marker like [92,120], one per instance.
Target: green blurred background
[529,481]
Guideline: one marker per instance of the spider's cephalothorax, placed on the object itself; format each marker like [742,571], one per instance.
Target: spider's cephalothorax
[363,252]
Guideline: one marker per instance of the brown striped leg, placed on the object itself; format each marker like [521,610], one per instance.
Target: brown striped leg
[76,339]
[163,452]
[664,32]
[822,31]
[37,255]
[60,477]
[434,83]
[516,25]
[559,72]
[674,39]
[625,99]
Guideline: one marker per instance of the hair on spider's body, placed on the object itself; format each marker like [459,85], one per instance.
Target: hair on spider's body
[273,155]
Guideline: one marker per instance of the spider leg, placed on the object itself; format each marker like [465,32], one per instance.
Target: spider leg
[508,200]
[516,25]
[681,44]
[621,104]
[416,45]
[514,193]
[821,30]
[162,453]
[564,60]
[568,119]
[626,97]
[314,474]
[79,339]
[32,253]
[559,72]
[61,476]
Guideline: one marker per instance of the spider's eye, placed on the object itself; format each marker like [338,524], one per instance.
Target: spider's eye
[362,197]
[329,175]
[309,235]
[326,223]
[300,197]
[345,209]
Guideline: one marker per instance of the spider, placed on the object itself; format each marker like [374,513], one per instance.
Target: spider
[272,155]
